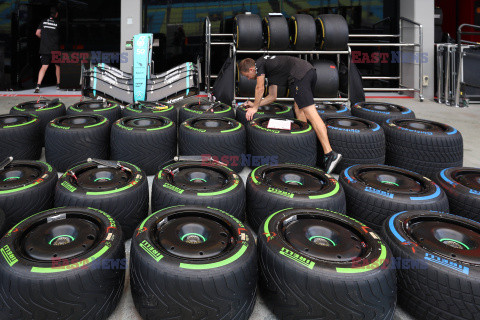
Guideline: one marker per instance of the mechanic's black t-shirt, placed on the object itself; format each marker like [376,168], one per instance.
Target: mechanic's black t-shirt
[49,36]
[282,70]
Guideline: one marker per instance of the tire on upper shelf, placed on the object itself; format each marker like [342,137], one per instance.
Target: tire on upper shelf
[248,32]
[275,27]
[332,30]
[303,32]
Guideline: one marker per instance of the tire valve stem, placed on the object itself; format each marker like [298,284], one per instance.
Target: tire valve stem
[72,174]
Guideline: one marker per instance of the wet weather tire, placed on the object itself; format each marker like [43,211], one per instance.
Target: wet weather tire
[20,137]
[281,146]
[462,186]
[380,112]
[122,192]
[332,110]
[186,274]
[375,192]
[72,139]
[27,187]
[275,187]
[438,278]
[423,146]
[193,183]
[312,266]
[223,139]
[359,141]
[146,141]
[43,281]
[2,223]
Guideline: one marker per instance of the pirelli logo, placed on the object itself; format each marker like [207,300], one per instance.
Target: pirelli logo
[8,255]
[151,250]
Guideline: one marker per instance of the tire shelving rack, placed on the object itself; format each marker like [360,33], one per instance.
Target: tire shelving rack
[209,36]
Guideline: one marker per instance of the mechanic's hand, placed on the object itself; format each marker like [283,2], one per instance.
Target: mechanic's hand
[248,104]
[250,112]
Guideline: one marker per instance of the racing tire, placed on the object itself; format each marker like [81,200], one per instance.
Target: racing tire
[109,109]
[332,30]
[380,112]
[375,192]
[271,188]
[462,186]
[45,115]
[184,272]
[199,184]
[276,32]
[223,139]
[438,276]
[160,108]
[272,110]
[303,32]
[327,79]
[321,264]
[268,146]
[205,109]
[81,277]
[120,191]
[248,32]
[245,86]
[27,187]
[423,146]
[20,137]
[2,223]
[326,110]
[359,141]
[147,141]
[72,139]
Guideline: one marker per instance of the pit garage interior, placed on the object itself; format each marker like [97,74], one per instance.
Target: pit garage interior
[416,58]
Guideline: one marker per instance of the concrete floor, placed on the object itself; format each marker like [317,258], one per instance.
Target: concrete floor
[466,120]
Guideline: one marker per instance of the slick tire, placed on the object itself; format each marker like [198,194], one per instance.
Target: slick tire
[332,30]
[303,32]
[277,36]
[248,32]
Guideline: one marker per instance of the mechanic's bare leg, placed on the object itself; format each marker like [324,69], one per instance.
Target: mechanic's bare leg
[57,71]
[299,113]
[312,115]
[41,73]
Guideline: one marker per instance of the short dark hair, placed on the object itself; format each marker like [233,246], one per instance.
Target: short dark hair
[246,64]
[53,12]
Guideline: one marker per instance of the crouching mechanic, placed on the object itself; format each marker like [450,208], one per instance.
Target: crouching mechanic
[300,76]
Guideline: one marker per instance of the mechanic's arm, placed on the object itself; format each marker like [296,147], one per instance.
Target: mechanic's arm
[272,95]
[259,90]
[38,33]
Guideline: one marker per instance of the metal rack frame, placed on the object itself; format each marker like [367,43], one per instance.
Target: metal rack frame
[400,44]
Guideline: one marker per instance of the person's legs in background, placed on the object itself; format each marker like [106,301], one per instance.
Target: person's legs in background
[41,75]
[57,72]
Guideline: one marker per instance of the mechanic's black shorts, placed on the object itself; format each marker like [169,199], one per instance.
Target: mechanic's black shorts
[46,59]
[303,89]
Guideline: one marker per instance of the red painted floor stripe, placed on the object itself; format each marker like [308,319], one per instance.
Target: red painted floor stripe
[39,96]
[388,97]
